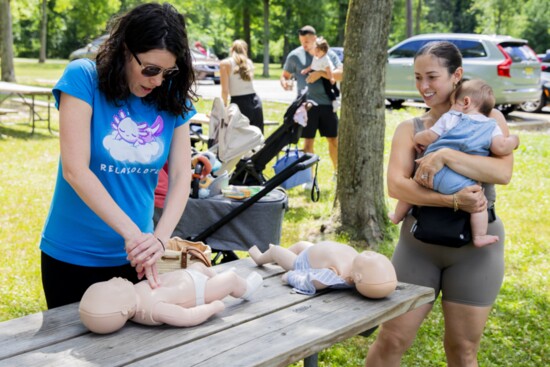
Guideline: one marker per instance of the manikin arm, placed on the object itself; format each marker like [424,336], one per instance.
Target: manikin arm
[184,317]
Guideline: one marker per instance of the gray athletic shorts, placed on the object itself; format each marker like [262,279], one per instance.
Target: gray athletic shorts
[468,275]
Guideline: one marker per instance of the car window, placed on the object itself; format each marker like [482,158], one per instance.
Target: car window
[470,49]
[519,52]
[407,49]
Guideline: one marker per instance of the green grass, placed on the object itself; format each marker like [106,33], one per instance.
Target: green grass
[517,333]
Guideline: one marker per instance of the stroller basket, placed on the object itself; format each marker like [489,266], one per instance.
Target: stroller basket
[304,162]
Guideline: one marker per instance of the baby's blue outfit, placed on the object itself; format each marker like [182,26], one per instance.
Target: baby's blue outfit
[470,136]
[302,277]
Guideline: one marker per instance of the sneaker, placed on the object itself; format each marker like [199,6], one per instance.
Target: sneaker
[307,186]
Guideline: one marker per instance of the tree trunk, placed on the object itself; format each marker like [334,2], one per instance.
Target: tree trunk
[418,15]
[360,207]
[265,73]
[246,28]
[409,19]
[43,32]
[8,71]
[342,12]
[286,41]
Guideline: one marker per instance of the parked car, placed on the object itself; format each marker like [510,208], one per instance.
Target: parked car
[545,60]
[544,96]
[206,67]
[90,50]
[339,51]
[508,64]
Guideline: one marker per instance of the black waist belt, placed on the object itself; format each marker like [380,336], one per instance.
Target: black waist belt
[492,213]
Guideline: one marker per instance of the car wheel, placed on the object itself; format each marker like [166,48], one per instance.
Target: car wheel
[506,108]
[532,106]
[396,104]
[217,82]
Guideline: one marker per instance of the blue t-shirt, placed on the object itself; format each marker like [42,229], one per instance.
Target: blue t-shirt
[299,59]
[129,145]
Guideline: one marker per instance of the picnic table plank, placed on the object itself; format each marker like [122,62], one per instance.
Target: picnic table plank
[293,333]
[40,329]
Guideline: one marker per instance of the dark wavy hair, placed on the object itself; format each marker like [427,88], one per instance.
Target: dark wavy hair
[148,27]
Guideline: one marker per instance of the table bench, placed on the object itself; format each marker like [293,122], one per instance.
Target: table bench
[276,328]
[26,94]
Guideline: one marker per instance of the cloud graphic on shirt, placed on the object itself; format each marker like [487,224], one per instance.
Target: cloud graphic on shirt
[122,151]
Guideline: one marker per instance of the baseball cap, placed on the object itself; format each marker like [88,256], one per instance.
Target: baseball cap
[306,30]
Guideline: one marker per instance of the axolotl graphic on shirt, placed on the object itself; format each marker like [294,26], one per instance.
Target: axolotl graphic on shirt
[133,141]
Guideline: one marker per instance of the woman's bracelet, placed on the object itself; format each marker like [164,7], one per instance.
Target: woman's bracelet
[455,203]
[162,243]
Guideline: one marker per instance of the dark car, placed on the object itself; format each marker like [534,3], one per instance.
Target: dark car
[545,60]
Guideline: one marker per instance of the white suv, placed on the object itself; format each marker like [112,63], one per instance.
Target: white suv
[508,64]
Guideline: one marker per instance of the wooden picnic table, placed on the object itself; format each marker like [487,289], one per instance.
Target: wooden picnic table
[275,328]
[26,94]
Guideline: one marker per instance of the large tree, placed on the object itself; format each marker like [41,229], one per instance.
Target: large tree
[266,39]
[43,32]
[8,70]
[360,201]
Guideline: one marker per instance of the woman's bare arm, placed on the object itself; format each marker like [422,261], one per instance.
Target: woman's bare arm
[225,70]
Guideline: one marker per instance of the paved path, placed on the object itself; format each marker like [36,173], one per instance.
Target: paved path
[270,90]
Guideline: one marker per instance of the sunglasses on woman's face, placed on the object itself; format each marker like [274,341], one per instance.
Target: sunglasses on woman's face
[152,70]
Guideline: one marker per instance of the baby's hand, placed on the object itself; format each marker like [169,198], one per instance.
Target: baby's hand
[303,72]
[419,148]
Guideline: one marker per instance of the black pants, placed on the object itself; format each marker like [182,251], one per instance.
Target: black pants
[251,106]
[66,283]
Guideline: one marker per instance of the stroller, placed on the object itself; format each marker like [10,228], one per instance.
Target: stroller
[207,220]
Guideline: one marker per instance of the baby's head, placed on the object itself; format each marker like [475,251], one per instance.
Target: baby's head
[321,47]
[106,306]
[473,94]
[373,274]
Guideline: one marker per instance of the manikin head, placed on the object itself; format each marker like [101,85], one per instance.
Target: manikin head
[373,274]
[106,306]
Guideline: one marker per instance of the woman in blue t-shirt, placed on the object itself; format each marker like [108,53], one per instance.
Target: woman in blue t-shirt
[120,119]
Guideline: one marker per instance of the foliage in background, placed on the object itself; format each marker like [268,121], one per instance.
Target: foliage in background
[216,23]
